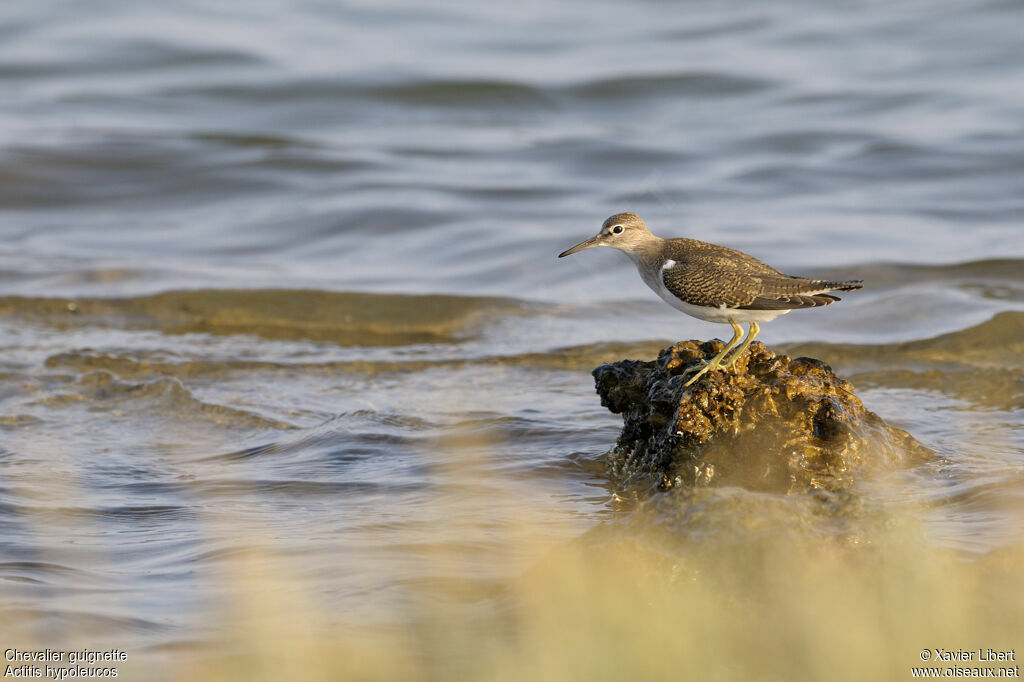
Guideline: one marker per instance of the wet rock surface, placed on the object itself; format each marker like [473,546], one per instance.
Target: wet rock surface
[770,422]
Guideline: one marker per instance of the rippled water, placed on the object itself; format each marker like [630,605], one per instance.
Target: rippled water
[282,279]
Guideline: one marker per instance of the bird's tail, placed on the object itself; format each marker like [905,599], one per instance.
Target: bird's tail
[848,285]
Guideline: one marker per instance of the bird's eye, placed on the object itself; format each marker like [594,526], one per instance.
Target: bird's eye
[617,229]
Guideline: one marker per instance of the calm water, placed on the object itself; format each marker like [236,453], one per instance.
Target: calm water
[218,225]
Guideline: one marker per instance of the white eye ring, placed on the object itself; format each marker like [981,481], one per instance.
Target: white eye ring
[617,229]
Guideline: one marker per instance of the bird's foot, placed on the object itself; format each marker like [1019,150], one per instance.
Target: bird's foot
[718,362]
[701,371]
[694,368]
[731,360]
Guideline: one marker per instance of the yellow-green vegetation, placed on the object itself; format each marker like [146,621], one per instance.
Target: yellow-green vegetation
[767,594]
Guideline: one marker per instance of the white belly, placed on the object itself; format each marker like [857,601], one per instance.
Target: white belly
[707,313]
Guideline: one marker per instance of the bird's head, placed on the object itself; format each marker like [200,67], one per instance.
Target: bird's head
[623,231]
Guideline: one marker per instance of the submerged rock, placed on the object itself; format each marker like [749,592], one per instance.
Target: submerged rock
[769,423]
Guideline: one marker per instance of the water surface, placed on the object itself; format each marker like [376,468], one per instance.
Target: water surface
[279,295]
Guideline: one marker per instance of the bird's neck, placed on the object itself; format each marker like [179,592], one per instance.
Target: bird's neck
[646,254]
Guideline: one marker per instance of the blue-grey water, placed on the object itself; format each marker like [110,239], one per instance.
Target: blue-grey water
[281,275]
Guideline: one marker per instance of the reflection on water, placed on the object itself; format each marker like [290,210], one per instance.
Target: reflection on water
[282,329]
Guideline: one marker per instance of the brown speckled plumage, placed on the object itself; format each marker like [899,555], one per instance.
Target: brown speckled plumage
[711,275]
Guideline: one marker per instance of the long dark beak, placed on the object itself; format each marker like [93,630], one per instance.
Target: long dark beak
[593,241]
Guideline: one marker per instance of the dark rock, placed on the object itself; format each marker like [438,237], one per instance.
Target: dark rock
[769,423]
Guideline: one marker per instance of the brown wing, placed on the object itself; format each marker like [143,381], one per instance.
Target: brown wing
[790,302]
[711,282]
[714,276]
[788,293]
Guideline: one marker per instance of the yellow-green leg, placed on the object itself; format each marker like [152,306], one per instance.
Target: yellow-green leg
[754,329]
[716,362]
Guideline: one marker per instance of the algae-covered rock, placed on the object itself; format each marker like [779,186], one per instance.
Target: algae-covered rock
[768,423]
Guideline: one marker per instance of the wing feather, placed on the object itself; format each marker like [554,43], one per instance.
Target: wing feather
[731,279]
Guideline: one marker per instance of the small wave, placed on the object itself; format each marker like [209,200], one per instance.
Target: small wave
[304,490]
[129,57]
[983,364]
[717,29]
[691,84]
[37,572]
[345,319]
[846,102]
[980,271]
[444,93]
[476,95]
[125,513]
[61,620]
[167,396]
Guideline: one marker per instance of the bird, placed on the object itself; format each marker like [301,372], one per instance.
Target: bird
[712,283]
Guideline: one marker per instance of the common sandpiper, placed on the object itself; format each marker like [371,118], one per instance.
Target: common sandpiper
[712,283]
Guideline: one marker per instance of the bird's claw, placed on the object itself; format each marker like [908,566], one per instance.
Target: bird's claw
[701,371]
[694,368]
